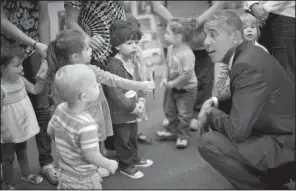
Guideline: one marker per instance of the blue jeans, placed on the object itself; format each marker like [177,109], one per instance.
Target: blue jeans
[179,110]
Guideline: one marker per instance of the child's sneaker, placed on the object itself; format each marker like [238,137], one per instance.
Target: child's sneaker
[143,163]
[103,172]
[181,143]
[8,187]
[132,172]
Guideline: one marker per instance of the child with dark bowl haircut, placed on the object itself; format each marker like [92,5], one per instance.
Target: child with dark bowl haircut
[126,106]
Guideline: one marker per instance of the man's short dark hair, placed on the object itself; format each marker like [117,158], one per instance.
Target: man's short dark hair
[227,20]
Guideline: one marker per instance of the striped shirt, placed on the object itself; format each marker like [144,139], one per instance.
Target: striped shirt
[74,134]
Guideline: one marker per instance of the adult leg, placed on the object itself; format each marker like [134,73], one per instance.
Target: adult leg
[283,43]
[43,113]
[204,70]
[222,154]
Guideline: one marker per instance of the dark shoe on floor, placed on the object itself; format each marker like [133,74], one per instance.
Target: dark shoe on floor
[143,163]
[165,135]
[181,143]
[144,139]
[132,172]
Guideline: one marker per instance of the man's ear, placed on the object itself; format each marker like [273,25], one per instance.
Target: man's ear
[82,97]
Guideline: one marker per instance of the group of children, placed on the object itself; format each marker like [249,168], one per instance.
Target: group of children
[84,116]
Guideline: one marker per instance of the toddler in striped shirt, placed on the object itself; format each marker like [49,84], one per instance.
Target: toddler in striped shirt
[75,132]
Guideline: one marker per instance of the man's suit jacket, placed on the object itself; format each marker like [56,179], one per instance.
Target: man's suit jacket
[261,120]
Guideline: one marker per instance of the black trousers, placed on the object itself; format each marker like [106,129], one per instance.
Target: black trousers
[41,107]
[278,36]
[126,144]
[204,70]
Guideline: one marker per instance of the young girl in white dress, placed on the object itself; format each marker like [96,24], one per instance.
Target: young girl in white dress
[18,119]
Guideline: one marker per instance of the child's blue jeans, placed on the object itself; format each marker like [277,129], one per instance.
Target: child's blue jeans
[179,110]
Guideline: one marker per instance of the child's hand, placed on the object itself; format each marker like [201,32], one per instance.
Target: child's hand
[148,85]
[42,72]
[113,165]
[138,109]
[163,82]
[141,106]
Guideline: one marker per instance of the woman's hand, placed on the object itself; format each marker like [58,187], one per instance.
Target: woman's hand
[41,49]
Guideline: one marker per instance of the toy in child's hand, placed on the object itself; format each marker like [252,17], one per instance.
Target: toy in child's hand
[43,70]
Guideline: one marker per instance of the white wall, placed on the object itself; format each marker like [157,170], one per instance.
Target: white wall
[54,7]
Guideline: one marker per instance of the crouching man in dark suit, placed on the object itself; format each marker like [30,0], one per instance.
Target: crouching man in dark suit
[253,130]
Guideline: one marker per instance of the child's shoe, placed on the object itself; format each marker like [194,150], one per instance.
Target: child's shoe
[103,172]
[132,172]
[181,143]
[144,139]
[165,135]
[33,178]
[8,187]
[143,163]
[49,172]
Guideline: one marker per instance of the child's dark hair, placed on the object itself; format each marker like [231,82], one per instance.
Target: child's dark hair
[190,29]
[122,31]
[131,18]
[59,50]
[8,52]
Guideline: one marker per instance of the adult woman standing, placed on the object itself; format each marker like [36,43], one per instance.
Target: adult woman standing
[94,18]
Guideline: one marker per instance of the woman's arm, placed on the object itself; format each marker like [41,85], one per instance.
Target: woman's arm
[44,22]
[161,11]
[12,31]
[34,89]
[215,7]
[71,17]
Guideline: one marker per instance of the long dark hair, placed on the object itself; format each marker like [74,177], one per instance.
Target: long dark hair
[59,50]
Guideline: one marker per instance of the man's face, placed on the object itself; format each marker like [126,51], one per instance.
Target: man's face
[218,40]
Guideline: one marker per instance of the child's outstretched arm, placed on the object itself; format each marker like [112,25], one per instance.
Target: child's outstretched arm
[112,80]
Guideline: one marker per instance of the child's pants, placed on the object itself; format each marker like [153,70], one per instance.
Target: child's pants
[126,145]
[69,182]
[179,110]
[7,153]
